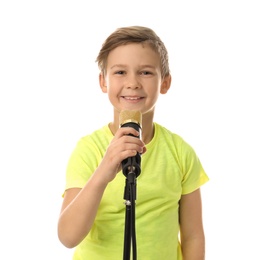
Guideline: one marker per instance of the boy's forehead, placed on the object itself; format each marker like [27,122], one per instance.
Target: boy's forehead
[133,52]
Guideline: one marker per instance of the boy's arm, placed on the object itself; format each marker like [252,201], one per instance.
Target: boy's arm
[78,211]
[191,226]
[80,206]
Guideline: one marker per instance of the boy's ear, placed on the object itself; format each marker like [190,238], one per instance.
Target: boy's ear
[102,83]
[166,83]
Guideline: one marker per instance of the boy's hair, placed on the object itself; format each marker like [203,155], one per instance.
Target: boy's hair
[134,34]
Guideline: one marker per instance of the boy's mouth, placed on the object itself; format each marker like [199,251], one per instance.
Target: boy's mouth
[131,98]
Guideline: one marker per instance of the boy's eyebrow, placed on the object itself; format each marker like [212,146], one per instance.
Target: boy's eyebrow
[118,65]
[148,66]
[124,66]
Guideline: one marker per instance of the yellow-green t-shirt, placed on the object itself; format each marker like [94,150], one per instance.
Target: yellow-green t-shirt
[169,169]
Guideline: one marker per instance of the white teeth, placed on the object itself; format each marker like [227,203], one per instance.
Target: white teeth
[132,98]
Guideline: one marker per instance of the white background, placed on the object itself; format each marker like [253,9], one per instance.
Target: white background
[50,97]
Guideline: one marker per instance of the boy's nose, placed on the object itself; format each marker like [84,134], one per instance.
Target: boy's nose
[132,82]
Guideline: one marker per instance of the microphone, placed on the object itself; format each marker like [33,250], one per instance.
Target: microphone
[131,118]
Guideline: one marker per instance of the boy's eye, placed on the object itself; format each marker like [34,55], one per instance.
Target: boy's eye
[120,72]
[146,72]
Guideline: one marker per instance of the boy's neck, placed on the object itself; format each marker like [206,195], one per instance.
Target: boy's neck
[148,128]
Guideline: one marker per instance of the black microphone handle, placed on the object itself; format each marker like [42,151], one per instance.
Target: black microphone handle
[132,164]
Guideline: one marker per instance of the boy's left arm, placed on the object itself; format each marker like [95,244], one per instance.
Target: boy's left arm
[191,226]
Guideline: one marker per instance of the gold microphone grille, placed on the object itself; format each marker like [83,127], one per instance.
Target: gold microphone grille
[127,116]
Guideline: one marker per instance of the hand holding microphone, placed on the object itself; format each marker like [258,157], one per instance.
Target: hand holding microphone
[129,118]
[123,153]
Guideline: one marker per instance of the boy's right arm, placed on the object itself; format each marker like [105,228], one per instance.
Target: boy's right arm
[78,211]
[80,206]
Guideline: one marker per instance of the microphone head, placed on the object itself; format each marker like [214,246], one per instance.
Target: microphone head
[130,116]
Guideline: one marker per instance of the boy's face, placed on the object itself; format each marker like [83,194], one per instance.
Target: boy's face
[133,78]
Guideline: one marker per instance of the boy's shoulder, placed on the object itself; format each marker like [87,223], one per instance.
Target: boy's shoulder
[103,130]
[172,139]
[163,131]
[102,134]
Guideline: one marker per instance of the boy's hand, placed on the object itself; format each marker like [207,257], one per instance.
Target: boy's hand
[121,147]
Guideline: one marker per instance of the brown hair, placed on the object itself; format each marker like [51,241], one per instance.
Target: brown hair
[133,34]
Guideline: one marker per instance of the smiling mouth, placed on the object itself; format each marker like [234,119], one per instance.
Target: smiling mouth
[132,98]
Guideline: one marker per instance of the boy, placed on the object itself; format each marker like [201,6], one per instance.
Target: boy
[134,71]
